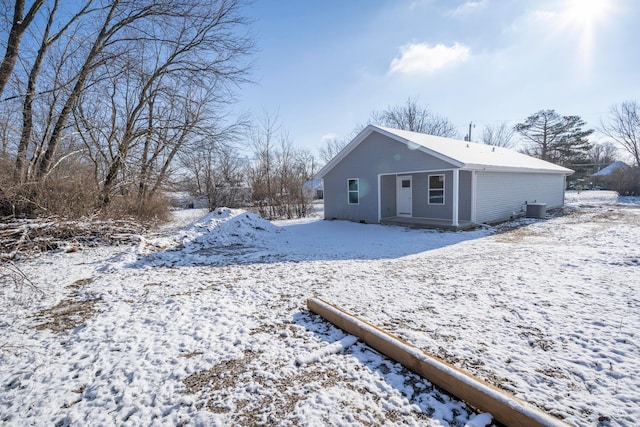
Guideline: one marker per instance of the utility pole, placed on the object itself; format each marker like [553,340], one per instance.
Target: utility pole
[468,138]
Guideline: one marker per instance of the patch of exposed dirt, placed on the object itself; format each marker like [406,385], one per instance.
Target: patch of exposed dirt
[535,337]
[218,377]
[615,215]
[80,283]
[70,312]
[275,396]
[67,314]
[516,235]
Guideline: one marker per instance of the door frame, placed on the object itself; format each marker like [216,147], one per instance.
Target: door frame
[399,191]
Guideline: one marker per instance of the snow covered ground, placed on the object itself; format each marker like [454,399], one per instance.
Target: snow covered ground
[206,323]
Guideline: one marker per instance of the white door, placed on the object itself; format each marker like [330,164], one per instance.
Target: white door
[404,196]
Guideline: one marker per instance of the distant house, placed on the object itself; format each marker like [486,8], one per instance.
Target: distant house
[314,188]
[388,175]
[602,178]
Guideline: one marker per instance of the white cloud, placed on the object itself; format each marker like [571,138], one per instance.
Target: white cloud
[329,137]
[418,58]
[468,7]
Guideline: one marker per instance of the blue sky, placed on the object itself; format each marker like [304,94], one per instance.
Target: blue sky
[323,66]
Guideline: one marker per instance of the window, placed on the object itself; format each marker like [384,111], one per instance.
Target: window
[436,189]
[354,193]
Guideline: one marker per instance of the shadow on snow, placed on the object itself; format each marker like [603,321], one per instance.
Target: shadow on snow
[316,240]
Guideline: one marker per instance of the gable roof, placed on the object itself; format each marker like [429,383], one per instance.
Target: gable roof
[609,169]
[460,154]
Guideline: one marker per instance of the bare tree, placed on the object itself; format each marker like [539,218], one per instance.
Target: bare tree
[260,172]
[108,29]
[331,148]
[293,168]
[29,96]
[278,172]
[412,117]
[501,135]
[20,23]
[123,86]
[603,154]
[624,128]
[216,167]
[303,171]
[178,41]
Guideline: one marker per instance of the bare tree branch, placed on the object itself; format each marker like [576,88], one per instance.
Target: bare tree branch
[20,24]
[412,117]
[624,127]
[499,135]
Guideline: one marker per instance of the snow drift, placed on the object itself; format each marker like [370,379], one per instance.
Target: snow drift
[226,227]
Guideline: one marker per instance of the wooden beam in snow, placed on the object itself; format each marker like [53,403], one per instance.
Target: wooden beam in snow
[504,408]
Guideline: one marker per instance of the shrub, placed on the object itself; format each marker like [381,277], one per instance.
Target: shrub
[71,192]
[626,181]
[129,205]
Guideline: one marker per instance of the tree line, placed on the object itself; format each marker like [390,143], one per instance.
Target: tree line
[99,97]
[546,134]
[563,140]
[107,104]
[264,171]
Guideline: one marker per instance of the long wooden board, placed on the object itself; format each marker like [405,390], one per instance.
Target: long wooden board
[505,408]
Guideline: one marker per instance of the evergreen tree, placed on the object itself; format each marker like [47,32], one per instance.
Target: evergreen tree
[557,139]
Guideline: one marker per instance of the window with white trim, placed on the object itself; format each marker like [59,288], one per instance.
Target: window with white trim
[353,189]
[436,189]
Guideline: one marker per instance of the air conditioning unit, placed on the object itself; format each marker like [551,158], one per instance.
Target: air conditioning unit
[536,210]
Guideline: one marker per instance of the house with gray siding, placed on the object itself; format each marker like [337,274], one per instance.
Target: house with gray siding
[389,175]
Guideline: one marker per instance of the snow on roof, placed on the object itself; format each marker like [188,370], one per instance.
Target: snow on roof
[473,155]
[463,154]
[606,171]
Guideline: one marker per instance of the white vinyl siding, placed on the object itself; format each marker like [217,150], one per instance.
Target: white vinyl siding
[500,196]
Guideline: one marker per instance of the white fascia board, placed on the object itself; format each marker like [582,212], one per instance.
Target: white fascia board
[410,172]
[485,168]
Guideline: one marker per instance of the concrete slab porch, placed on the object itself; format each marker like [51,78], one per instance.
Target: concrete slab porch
[428,223]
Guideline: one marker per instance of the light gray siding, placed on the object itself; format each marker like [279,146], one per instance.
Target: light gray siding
[420,195]
[377,154]
[388,205]
[499,196]
[465,192]
[421,206]
[379,160]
